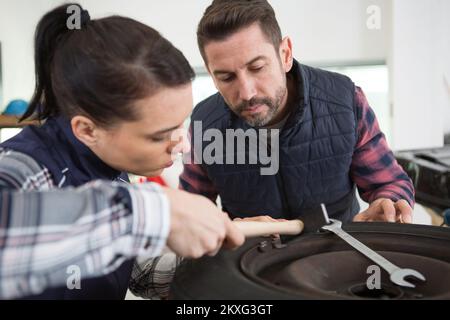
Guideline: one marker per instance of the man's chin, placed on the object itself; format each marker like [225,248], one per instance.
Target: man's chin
[256,121]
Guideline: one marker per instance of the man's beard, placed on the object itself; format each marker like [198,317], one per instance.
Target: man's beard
[260,120]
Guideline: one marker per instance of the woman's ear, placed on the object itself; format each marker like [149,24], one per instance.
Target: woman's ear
[286,54]
[85,130]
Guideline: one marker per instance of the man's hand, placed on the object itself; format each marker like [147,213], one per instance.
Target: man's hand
[386,210]
[198,227]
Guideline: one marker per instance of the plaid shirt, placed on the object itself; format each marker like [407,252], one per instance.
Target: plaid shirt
[374,168]
[103,225]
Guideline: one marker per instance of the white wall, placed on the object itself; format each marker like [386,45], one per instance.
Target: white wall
[332,31]
[442,65]
[419,58]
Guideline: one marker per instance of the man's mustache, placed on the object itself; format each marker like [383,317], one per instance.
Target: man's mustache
[254,102]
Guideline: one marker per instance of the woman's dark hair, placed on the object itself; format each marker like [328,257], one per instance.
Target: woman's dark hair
[102,68]
[226,17]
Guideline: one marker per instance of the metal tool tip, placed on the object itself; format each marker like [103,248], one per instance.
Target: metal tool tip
[325,213]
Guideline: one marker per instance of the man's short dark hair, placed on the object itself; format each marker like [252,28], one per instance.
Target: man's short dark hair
[225,17]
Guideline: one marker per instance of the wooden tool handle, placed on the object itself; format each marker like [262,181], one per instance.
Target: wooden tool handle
[260,228]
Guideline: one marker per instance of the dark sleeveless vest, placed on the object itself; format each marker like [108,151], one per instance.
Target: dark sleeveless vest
[71,163]
[315,154]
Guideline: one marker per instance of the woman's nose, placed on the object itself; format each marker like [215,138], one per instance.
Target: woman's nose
[179,142]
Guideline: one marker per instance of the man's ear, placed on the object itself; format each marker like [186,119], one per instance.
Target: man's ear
[286,57]
[85,130]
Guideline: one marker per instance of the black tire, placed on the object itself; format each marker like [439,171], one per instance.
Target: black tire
[236,275]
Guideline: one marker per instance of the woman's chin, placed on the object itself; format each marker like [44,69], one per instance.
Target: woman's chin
[155,173]
[149,173]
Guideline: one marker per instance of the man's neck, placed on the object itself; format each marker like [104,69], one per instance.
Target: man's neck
[288,106]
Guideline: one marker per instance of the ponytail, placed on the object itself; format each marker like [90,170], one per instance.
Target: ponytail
[50,32]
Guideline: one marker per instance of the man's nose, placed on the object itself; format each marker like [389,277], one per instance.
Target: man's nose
[247,89]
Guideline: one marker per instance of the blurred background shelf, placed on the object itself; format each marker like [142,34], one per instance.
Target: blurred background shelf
[10,126]
[13,122]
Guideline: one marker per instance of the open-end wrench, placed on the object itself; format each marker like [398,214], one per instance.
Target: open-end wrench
[397,274]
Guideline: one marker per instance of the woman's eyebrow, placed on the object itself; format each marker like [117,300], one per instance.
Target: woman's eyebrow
[164,130]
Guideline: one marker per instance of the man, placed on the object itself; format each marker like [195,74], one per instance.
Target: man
[329,138]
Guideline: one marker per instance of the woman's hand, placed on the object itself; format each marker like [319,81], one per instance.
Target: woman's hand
[198,227]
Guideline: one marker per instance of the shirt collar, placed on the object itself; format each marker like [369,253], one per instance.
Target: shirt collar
[83,157]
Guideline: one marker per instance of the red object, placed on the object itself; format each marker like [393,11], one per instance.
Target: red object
[158,180]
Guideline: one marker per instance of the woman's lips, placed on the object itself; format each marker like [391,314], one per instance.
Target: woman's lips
[169,164]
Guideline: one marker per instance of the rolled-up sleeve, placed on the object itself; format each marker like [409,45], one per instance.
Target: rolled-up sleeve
[374,168]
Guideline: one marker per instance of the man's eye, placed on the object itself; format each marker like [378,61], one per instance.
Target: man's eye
[226,79]
[257,68]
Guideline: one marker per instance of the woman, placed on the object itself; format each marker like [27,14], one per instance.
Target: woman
[111,94]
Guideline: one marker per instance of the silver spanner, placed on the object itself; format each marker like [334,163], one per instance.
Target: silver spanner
[397,274]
